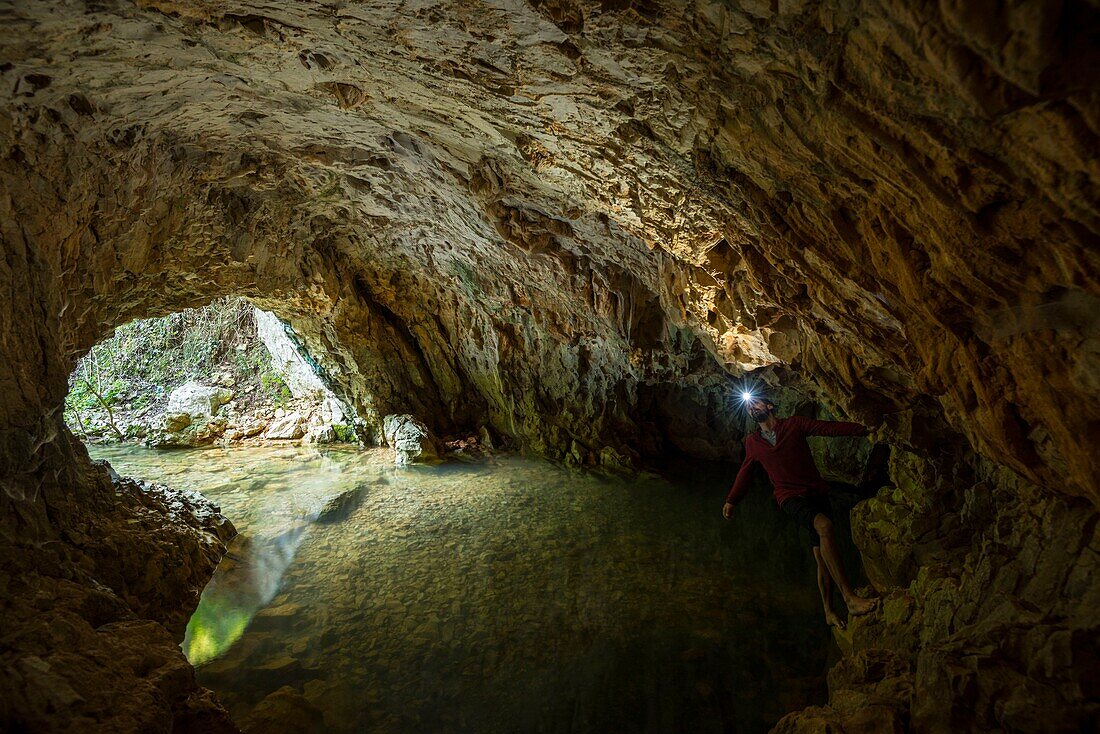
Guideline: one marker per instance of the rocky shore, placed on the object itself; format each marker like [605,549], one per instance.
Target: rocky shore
[581,226]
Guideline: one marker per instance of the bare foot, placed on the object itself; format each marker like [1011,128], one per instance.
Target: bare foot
[834,621]
[857,605]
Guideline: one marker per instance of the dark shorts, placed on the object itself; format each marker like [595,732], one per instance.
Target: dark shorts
[804,509]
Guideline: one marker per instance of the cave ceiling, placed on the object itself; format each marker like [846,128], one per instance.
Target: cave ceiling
[511,209]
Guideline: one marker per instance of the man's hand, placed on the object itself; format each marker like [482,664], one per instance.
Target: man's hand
[727,510]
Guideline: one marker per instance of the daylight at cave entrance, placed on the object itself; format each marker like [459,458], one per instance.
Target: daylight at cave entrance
[550,365]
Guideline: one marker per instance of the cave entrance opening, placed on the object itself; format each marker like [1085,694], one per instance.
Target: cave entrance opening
[225,372]
[205,399]
[358,593]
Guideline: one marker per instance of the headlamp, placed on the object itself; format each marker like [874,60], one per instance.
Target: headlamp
[746,397]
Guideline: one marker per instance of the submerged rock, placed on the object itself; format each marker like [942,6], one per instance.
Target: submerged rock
[283,712]
[342,505]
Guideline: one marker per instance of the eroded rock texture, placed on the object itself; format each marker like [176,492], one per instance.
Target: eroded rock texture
[569,221]
[99,578]
[989,620]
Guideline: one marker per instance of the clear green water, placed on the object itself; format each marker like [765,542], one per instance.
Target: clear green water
[504,596]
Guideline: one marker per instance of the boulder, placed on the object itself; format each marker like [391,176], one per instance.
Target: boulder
[201,432]
[285,710]
[248,430]
[176,422]
[287,427]
[485,439]
[412,441]
[342,505]
[321,434]
[332,411]
[197,399]
[207,431]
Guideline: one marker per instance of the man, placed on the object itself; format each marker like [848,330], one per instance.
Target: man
[780,447]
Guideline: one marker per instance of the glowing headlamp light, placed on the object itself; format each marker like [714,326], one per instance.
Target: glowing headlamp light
[746,397]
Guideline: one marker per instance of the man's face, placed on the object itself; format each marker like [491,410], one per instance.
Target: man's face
[758,410]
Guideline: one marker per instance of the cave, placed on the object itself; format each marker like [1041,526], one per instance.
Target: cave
[579,227]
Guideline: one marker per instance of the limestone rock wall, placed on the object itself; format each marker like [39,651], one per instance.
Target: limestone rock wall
[516,214]
[99,577]
[990,613]
[569,220]
[287,360]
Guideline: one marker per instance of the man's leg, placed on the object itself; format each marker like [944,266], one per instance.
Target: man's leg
[825,586]
[857,605]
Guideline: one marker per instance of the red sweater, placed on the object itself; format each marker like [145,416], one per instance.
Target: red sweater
[789,463]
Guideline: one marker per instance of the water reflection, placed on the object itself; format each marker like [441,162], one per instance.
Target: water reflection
[247,579]
[273,496]
[496,597]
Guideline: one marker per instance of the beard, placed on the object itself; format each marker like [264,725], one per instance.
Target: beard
[759,415]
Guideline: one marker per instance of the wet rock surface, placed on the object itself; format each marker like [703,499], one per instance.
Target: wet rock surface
[411,440]
[990,608]
[554,218]
[95,610]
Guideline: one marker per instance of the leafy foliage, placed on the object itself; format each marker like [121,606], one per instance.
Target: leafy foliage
[146,359]
[345,433]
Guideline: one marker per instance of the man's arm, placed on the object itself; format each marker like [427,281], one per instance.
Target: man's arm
[814,427]
[742,482]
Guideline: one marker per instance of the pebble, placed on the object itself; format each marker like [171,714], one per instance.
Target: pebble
[496,598]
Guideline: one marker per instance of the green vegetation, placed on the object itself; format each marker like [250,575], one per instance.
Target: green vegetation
[274,386]
[344,432]
[134,369]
